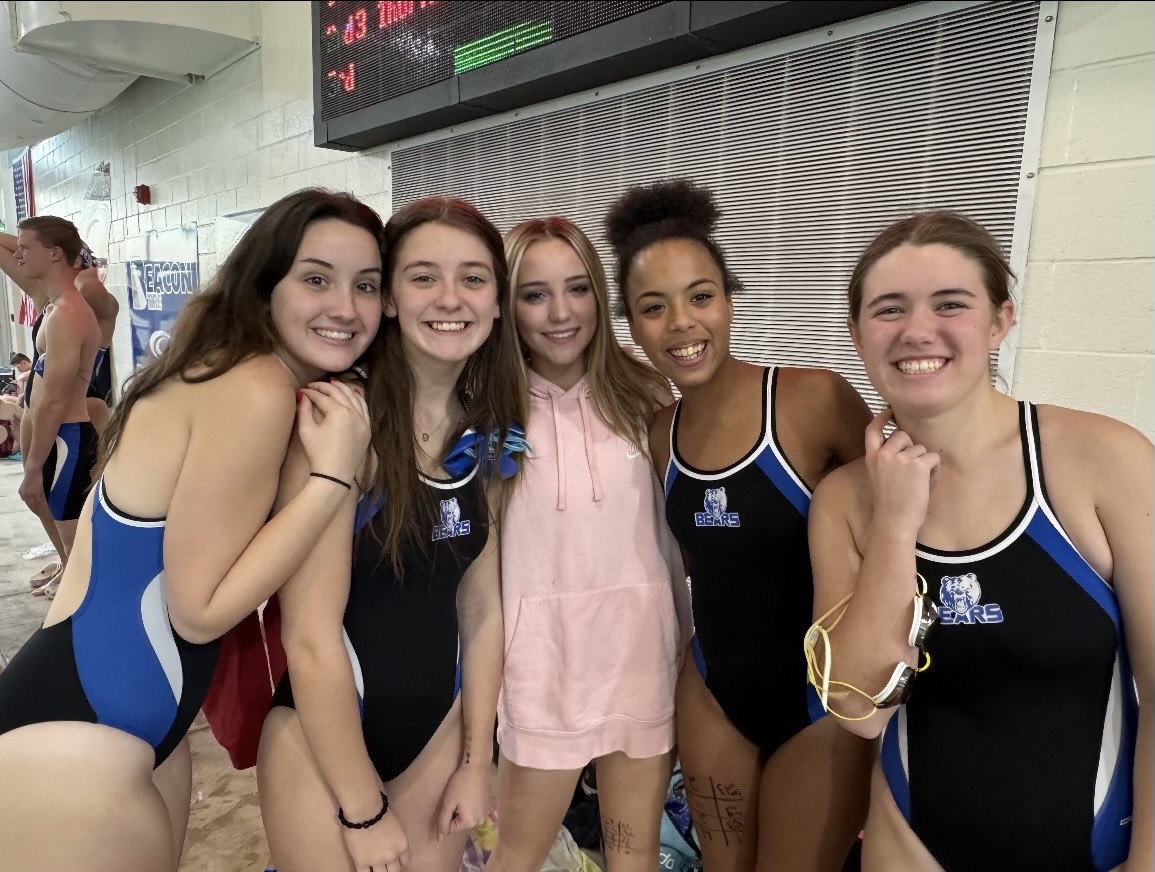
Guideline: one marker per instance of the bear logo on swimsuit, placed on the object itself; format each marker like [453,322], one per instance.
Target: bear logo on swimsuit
[715,515]
[451,524]
[960,595]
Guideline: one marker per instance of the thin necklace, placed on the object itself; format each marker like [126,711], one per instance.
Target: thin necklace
[425,434]
[421,448]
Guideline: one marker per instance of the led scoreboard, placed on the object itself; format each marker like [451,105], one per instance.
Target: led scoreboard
[387,70]
[375,51]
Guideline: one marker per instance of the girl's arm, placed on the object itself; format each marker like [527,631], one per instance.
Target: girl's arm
[887,494]
[465,802]
[223,556]
[660,458]
[313,605]
[1126,493]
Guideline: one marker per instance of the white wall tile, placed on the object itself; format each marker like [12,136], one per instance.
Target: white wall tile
[272,190]
[1094,31]
[236,174]
[198,184]
[215,178]
[249,197]
[245,137]
[282,158]
[271,127]
[206,209]
[179,186]
[227,201]
[1093,211]
[1113,117]
[1085,337]
[258,165]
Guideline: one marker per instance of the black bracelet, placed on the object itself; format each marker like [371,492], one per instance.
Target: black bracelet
[364,825]
[343,484]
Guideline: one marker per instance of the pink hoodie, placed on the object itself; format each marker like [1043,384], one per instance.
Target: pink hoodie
[595,597]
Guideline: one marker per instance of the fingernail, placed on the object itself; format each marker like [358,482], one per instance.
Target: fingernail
[300,396]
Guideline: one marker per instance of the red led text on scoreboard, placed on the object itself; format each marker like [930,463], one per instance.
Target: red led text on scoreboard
[356,28]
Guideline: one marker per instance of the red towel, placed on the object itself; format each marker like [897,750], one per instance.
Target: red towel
[251,663]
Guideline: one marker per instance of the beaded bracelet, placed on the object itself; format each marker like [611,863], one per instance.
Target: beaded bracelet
[364,825]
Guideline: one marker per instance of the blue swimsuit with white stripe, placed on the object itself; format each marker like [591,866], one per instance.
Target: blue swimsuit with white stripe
[1017,746]
[116,660]
[743,531]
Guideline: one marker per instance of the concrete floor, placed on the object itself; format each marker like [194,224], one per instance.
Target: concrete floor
[225,832]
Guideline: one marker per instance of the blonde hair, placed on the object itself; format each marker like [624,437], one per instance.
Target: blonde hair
[626,391]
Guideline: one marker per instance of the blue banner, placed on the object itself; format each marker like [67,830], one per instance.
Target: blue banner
[158,290]
[22,185]
[162,273]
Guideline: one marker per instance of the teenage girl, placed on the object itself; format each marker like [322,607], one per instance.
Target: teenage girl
[591,576]
[769,780]
[378,750]
[1025,742]
[175,546]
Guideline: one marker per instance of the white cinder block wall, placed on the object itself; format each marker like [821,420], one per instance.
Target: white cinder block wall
[236,141]
[243,138]
[1086,329]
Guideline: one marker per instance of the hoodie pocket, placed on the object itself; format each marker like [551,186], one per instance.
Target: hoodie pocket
[576,659]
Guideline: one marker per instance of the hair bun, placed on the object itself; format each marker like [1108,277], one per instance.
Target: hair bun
[679,201]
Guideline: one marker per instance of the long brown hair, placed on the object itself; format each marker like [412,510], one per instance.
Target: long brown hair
[485,388]
[937,228]
[230,319]
[625,390]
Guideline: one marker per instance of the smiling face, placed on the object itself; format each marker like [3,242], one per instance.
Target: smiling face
[327,308]
[926,327]
[679,312]
[556,310]
[443,293]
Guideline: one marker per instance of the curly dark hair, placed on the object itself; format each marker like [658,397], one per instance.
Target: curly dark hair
[674,209]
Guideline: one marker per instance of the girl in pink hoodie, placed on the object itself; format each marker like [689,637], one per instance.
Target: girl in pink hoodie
[594,593]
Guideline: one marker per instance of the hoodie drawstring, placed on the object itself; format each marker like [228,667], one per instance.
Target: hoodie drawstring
[591,458]
[588,414]
[553,401]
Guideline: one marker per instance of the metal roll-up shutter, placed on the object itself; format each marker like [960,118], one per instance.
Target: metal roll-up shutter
[810,153]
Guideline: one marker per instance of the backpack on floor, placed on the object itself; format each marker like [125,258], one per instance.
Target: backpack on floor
[678,849]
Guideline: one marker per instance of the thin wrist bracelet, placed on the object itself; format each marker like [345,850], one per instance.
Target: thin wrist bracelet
[331,478]
[364,825]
